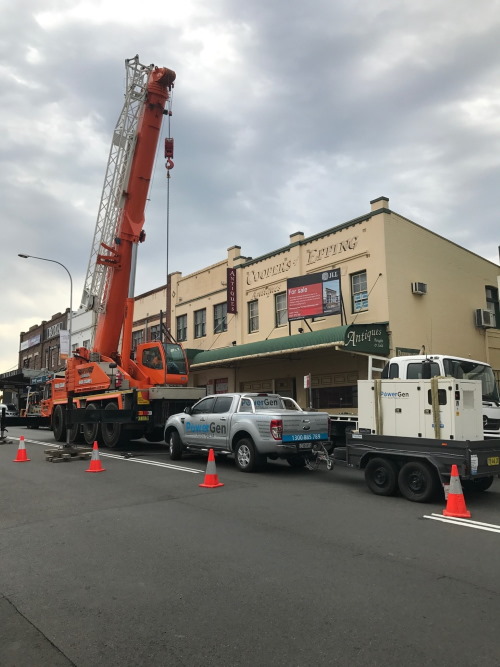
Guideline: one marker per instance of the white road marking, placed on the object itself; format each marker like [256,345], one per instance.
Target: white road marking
[468,523]
[132,459]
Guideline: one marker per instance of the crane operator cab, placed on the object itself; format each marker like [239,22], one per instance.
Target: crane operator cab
[165,363]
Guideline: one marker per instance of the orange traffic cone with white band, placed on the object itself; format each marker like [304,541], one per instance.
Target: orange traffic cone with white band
[95,461]
[211,477]
[456,501]
[21,452]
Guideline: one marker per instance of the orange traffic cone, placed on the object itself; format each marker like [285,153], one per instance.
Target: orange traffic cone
[456,502]
[211,477]
[21,452]
[95,461]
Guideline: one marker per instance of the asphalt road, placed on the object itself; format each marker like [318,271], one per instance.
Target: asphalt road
[139,566]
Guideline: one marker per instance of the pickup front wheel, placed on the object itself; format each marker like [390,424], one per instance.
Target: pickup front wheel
[246,456]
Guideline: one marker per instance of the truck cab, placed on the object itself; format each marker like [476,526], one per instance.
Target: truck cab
[419,367]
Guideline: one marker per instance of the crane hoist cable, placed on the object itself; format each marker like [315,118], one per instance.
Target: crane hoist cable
[169,165]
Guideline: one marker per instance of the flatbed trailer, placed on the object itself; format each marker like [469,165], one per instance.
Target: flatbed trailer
[418,468]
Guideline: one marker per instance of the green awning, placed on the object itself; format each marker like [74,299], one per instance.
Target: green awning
[364,338]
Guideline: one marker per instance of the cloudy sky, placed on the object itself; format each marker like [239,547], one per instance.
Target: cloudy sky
[287,116]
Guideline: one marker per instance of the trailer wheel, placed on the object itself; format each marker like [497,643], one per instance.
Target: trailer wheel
[479,484]
[418,482]
[381,476]
[175,446]
[59,423]
[246,456]
[92,431]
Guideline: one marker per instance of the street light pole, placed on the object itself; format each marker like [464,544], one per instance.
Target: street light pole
[70,323]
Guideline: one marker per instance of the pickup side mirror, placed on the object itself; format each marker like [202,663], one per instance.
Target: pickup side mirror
[187,410]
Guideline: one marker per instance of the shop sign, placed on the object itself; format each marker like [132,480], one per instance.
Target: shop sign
[368,338]
[221,386]
[231,291]
[34,340]
[406,351]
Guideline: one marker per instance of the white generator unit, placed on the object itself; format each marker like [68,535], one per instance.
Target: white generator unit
[442,408]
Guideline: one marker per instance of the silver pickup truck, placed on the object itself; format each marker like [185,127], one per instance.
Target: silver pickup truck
[252,427]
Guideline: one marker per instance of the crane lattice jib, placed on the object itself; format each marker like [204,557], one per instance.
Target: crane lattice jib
[118,257]
[116,180]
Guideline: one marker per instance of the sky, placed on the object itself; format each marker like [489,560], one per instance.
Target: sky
[287,116]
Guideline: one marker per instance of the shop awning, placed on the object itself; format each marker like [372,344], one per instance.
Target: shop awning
[369,339]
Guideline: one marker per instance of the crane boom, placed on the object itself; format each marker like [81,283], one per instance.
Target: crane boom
[115,261]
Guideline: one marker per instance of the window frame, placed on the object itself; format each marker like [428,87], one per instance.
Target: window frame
[181,331]
[253,317]
[280,312]
[200,323]
[355,308]
[220,321]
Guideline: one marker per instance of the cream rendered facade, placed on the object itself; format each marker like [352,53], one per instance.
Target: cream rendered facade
[382,252]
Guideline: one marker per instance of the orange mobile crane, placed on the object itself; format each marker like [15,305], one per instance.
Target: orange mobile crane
[106,395]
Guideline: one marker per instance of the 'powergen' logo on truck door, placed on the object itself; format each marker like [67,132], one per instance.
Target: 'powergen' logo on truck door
[206,428]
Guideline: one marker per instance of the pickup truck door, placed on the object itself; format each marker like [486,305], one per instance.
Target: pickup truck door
[220,422]
[197,422]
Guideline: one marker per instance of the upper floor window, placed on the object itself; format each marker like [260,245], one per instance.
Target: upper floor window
[200,323]
[220,317]
[492,304]
[137,337]
[253,316]
[154,332]
[359,292]
[182,326]
[280,309]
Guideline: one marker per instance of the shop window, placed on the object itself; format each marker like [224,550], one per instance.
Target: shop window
[324,398]
[359,292]
[182,324]
[280,309]
[253,316]
[220,317]
[492,305]
[200,323]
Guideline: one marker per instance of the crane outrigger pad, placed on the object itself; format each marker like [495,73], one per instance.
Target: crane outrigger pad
[67,454]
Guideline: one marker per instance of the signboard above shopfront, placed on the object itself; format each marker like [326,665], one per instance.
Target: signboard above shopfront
[314,295]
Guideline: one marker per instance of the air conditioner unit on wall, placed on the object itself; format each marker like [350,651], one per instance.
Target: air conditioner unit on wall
[419,288]
[484,318]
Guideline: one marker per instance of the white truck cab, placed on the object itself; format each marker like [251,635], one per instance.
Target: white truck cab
[419,367]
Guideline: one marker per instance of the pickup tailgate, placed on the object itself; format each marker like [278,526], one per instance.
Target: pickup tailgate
[484,457]
[306,427]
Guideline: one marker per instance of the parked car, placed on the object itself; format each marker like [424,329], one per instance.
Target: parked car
[10,409]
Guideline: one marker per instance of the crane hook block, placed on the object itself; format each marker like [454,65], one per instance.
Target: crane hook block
[169,147]
[169,164]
